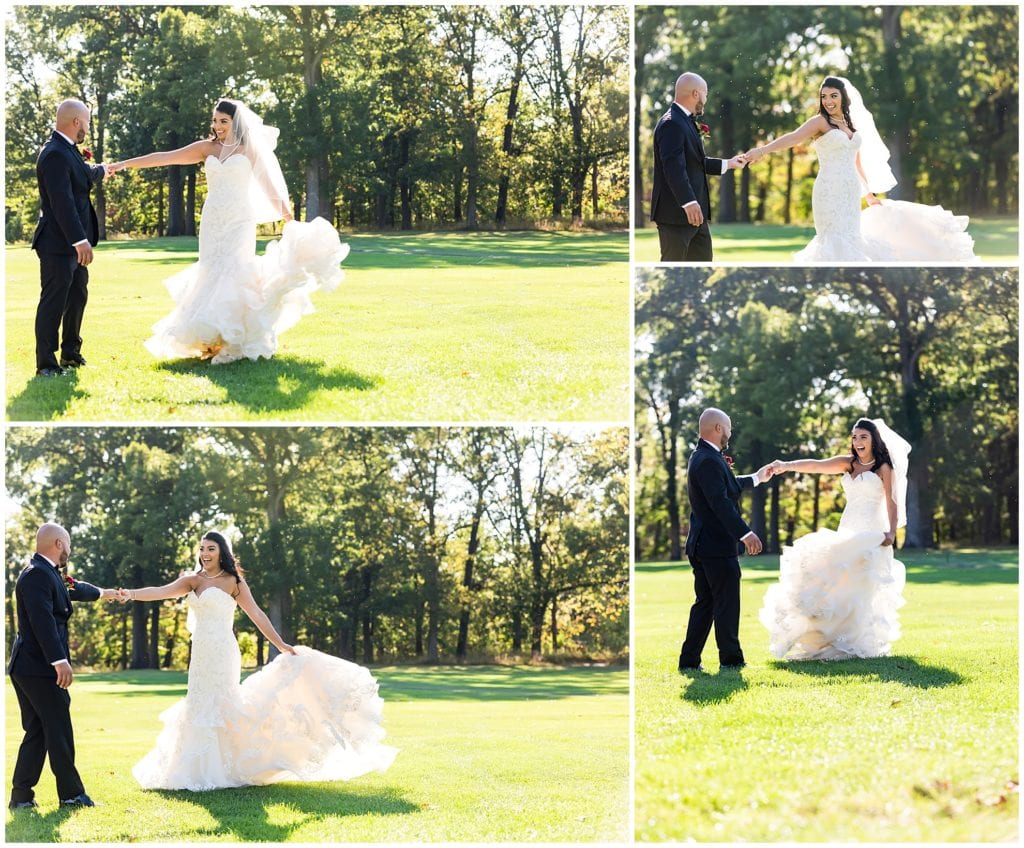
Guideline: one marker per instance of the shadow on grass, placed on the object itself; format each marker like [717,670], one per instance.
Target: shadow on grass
[709,689]
[245,813]
[273,385]
[903,670]
[52,394]
[29,825]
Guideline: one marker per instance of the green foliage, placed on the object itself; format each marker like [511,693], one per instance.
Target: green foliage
[917,747]
[354,540]
[486,723]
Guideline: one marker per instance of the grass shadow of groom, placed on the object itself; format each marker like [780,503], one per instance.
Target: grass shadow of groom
[706,690]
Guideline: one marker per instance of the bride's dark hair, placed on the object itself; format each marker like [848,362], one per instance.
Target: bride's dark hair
[229,108]
[837,84]
[227,558]
[878,448]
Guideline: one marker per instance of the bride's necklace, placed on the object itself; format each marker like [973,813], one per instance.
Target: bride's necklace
[211,576]
[865,464]
[228,146]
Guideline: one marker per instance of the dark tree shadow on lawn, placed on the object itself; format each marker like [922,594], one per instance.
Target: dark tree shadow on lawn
[243,812]
[272,385]
[52,394]
[903,670]
[709,689]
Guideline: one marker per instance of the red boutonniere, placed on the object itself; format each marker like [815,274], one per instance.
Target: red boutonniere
[705,131]
[69,581]
[87,154]
[728,460]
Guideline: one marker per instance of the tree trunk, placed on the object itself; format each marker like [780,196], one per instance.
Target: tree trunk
[594,199]
[554,625]
[895,94]
[367,639]
[175,201]
[190,202]
[140,652]
[154,636]
[816,516]
[727,185]
[405,181]
[787,206]
[744,214]
[505,177]
[774,543]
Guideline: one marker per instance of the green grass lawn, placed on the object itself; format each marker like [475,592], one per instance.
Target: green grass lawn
[425,327]
[487,754]
[917,747]
[995,240]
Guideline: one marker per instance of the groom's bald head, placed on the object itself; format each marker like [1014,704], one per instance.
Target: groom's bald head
[715,427]
[53,542]
[692,92]
[73,119]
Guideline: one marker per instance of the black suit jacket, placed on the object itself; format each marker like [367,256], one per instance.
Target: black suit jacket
[66,213]
[44,607]
[680,169]
[716,525]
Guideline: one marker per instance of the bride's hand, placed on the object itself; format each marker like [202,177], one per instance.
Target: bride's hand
[753,155]
[888,540]
[872,200]
[286,649]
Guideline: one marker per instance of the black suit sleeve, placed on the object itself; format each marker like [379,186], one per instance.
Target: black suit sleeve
[36,590]
[96,174]
[56,176]
[713,167]
[671,143]
[712,482]
[746,481]
[85,592]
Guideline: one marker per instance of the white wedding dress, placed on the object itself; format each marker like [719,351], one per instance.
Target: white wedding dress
[839,590]
[894,231]
[307,717]
[232,300]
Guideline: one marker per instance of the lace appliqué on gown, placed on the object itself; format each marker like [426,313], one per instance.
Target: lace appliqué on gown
[895,231]
[232,300]
[839,590]
[309,717]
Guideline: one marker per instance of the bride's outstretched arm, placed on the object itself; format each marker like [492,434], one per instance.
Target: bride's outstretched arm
[182,586]
[805,131]
[246,601]
[832,465]
[868,196]
[885,472]
[191,154]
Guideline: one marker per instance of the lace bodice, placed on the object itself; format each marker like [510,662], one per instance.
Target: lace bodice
[837,151]
[865,503]
[227,181]
[211,614]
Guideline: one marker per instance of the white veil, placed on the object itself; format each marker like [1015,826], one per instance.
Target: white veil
[874,155]
[268,192]
[899,452]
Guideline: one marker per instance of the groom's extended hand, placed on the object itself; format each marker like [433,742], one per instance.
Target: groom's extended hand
[738,162]
[766,472]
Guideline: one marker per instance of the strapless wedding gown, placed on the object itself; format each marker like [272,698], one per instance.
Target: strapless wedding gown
[235,302]
[894,231]
[839,590]
[308,717]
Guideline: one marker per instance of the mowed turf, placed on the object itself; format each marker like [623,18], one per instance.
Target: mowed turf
[426,327]
[996,240]
[917,747]
[487,754]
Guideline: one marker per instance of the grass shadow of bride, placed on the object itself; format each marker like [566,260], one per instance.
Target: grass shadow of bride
[897,669]
[248,814]
[705,690]
[278,384]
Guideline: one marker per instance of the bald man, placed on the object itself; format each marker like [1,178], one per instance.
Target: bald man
[681,196]
[40,670]
[64,238]
[716,536]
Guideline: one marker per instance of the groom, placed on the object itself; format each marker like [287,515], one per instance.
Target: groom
[717,534]
[681,197]
[40,669]
[64,238]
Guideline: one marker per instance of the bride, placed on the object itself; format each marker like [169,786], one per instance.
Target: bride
[854,163]
[233,304]
[306,716]
[839,590]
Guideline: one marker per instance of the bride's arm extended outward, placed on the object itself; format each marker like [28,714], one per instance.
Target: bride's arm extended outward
[182,586]
[868,196]
[885,472]
[191,154]
[805,131]
[246,601]
[832,465]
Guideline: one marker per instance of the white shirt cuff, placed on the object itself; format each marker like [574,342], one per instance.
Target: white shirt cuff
[83,241]
[757,481]
[747,535]
[691,203]
[725,165]
[58,662]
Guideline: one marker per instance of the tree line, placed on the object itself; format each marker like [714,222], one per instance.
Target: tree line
[941,82]
[796,356]
[391,117]
[424,545]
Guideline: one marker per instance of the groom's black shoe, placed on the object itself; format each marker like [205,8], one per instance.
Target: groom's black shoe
[82,800]
[72,362]
[690,669]
[21,805]
[50,372]
[732,666]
